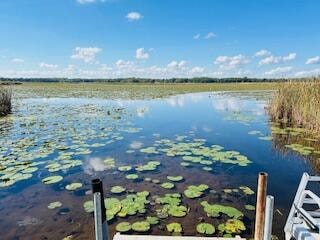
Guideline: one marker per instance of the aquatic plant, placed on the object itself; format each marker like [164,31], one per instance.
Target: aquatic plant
[123,227]
[205,228]
[117,189]
[167,185]
[52,179]
[175,178]
[132,176]
[214,210]
[124,168]
[232,226]
[133,204]
[152,220]
[142,226]
[5,101]
[194,191]
[174,227]
[113,206]
[246,190]
[150,166]
[54,205]
[297,104]
[250,207]
[73,186]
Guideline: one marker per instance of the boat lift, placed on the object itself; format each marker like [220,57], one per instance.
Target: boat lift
[302,224]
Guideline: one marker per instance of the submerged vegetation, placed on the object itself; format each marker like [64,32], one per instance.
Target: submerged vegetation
[297,104]
[5,101]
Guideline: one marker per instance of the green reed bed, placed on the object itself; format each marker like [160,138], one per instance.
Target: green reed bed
[298,104]
[5,101]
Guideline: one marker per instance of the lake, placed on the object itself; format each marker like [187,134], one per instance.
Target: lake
[185,158]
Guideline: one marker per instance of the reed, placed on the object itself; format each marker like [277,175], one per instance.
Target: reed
[298,104]
[5,100]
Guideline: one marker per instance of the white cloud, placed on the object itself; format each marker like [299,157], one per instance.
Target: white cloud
[226,62]
[141,54]
[197,36]
[262,53]
[87,54]
[309,73]
[197,70]
[175,65]
[48,66]
[134,16]
[313,60]
[105,68]
[210,35]
[122,64]
[279,70]
[17,60]
[279,59]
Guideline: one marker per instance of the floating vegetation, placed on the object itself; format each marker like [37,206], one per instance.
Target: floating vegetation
[167,185]
[109,162]
[117,189]
[246,190]
[205,228]
[54,205]
[142,226]
[215,210]
[132,176]
[174,227]
[152,220]
[150,166]
[175,178]
[52,179]
[88,206]
[195,191]
[232,226]
[303,150]
[113,206]
[133,204]
[123,227]
[250,207]
[171,206]
[73,186]
[124,168]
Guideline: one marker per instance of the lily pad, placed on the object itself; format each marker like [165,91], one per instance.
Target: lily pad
[73,186]
[175,178]
[132,176]
[250,207]
[54,205]
[167,185]
[142,226]
[174,227]
[117,189]
[124,168]
[52,179]
[123,227]
[216,209]
[205,228]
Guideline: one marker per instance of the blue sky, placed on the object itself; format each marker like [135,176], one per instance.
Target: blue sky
[159,38]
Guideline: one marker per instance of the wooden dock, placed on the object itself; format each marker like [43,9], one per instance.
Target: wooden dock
[119,236]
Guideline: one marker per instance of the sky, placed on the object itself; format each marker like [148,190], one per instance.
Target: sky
[159,38]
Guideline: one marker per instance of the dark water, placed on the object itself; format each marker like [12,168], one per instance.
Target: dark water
[44,131]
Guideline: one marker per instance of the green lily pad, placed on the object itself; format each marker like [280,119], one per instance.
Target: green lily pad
[174,227]
[177,211]
[216,209]
[175,178]
[124,168]
[167,185]
[52,179]
[142,226]
[123,227]
[247,190]
[132,176]
[250,207]
[232,226]
[73,186]
[117,189]
[152,220]
[205,228]
[194,191]
[54,205]
[88,206]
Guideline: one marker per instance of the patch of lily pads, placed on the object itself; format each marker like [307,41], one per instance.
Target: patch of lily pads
[194,191]
[215,210]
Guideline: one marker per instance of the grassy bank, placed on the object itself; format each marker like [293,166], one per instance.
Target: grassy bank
[298,104]
[5,101]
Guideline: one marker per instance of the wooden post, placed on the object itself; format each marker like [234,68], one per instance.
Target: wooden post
[261,205]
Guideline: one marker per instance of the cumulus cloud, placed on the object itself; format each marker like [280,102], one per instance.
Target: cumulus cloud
[210,35]
[197,70]
[262,53]
[313,60]
[279,70]
[48,66]
[134,16]
[277,59]
[87,54]
[308,73]
[122,64]
[17,60]
[226,62]
[141,54]
[175,65]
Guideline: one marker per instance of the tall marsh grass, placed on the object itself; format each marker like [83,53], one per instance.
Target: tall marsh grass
[5,100]
[298,104]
